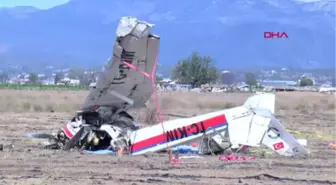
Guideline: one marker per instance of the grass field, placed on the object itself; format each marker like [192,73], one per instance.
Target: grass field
[40,87]
[69,101]
[310,115]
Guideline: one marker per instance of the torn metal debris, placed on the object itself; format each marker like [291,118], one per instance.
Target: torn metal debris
[103,123]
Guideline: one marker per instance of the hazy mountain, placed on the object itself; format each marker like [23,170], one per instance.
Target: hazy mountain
[82,32]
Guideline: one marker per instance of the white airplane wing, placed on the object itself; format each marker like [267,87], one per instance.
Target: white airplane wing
[254,124]
[278,139]
[126,78]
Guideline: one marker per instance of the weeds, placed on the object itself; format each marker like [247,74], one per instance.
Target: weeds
[181,103]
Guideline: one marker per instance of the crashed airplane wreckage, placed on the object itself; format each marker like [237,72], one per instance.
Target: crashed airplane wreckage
[127,80]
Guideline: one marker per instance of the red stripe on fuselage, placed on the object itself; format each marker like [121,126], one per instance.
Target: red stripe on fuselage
[192,129]
[67,132]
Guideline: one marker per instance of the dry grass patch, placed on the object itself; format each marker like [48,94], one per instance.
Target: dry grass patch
[200,101]
[40,101]
[305,102]
[170,102]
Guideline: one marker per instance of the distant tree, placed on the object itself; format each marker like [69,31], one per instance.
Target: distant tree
[86,77]
[84,81]
[33,78]
[158,78]
[227,78]
[76,73]
[3,78]
[196,70]
[58,77]
[212,74]
[333,82]
[305,81]
[91,75]
[250,79]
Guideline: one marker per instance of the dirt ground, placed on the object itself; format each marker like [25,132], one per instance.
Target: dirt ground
[22,161]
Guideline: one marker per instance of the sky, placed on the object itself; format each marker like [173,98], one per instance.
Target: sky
[45,4]
[42,4]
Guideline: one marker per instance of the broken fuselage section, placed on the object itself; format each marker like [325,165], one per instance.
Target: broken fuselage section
[229,130]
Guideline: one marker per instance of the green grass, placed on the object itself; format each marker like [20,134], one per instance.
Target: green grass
[41,87]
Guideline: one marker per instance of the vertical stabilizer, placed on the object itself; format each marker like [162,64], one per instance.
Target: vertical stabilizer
[261,100]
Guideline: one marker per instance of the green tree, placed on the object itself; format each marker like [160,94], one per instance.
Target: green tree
[250,79]
[91,75]
[58,77]
[84,81]
[79,74]
[227,78]
[304,81]
[196,70]
[33,78]
[76,73]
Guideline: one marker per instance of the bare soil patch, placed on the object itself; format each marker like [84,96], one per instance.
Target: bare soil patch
[312,115]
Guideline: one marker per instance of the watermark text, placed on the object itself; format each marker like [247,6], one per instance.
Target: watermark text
[272,35]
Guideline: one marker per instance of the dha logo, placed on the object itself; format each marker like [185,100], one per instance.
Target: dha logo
[271,35]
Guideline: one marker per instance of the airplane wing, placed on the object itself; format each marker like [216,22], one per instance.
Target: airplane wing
[126,77]
[278,139]
[254,124]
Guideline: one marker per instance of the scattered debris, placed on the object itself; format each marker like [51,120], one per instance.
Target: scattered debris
[232,158]
[182,149]
[104,152]
[176,159]
[303,142]
[190,157]
[332,145]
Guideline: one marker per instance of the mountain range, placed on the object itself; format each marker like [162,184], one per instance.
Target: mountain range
[82,32]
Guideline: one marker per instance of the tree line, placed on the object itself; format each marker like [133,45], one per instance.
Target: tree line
[76,73]
[197,70]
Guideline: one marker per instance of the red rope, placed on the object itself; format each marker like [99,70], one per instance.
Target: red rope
[156,99]
[152,78]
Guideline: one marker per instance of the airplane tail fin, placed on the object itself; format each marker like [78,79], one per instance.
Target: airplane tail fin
[261,100]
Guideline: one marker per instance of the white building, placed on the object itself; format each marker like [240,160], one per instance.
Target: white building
[68,81]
